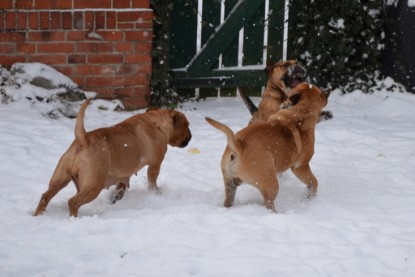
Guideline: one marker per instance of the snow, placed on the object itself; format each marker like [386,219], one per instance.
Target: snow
[362,223]
[411,3]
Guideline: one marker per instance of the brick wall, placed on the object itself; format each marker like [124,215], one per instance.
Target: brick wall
[102,45]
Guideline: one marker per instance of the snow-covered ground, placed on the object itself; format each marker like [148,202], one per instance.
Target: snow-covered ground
[362,223]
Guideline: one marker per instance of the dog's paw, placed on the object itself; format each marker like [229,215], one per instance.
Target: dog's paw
[325,115]
[117,195]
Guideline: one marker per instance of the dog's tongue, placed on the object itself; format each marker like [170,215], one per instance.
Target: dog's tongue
[295,82]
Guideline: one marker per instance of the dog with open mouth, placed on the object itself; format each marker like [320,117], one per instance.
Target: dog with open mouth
[283,76]
[258,152]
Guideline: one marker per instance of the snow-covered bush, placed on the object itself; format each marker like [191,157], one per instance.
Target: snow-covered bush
[341,42]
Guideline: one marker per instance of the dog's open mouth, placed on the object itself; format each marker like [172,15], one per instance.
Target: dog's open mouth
[295,76]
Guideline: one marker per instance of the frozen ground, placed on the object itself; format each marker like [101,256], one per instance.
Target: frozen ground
[362,223]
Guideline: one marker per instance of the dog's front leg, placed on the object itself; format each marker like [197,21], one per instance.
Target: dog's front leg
[307,177]
[152,175]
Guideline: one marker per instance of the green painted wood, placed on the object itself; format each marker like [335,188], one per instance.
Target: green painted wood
[204,60]
[222,78]
[253,38]
[275,30]
[210,21]
[183,32]
[230,53]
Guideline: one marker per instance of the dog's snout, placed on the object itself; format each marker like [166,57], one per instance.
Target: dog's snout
[187,140]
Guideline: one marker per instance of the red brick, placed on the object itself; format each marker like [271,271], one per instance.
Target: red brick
[7,48]
[34,20]
[112,35]
[21,20]
[103,92]
[75,35]
[134,16]
[118,4]
[131,80]
[7,60]
[92,4]
[26,48]
[55,47]
[143,47]
[132,103]
[140,3]
[46,36]
[99,81]
[53,4]
[104,58]
[125,69]
[10,20]
[6,4]
[111,20]
[95,47]
[138,35]
[12,37]
[89,20]
[126,92]
[55,20]
[67,70]
[80,59]
[138,58]
[96,69]
[47,59]
[125,47]
[78,20]
[100,20]
[66,20]
[24,4]
[126,25]
[147,25]
[2,23]
[44,20]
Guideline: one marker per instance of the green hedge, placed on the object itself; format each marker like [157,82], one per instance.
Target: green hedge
[340,42]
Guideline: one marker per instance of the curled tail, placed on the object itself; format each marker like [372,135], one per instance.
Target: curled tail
[234,145]
[80,133]
[248,102]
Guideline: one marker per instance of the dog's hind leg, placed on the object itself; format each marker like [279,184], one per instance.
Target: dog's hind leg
[91,182]
[118,194]
[269,188]
[59,180]
[307,177]
[231,184]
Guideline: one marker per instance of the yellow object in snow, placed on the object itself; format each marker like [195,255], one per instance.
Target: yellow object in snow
[193,150]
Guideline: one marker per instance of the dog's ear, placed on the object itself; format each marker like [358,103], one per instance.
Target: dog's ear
[294,99]
[270,67]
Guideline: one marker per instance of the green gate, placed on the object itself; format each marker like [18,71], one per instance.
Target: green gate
[221,44]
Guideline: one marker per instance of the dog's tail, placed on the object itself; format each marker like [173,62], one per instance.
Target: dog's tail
[248,102]
[80,133]
[234,145]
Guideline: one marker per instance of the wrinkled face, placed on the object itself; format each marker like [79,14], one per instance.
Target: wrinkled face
[307,94]
[181,132]
[290,73]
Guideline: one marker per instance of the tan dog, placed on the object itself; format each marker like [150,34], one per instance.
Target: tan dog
[257,153]
[107,156]
[283,76]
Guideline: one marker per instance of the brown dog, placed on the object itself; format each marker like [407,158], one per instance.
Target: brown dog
[107,156]
[283,76]
[257,153]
